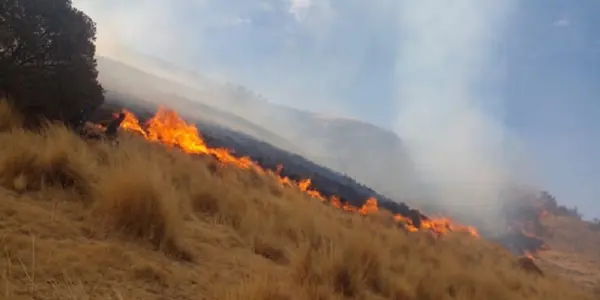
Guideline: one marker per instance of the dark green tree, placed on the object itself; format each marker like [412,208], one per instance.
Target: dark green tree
[47,64]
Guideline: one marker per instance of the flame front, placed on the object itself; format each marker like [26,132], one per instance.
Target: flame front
[168,128]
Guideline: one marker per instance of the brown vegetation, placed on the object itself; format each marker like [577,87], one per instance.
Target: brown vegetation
[83,220]
[573,250]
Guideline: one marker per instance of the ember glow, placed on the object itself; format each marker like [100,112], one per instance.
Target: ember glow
[168,128]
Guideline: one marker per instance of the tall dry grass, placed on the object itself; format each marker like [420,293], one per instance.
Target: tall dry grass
[140,221]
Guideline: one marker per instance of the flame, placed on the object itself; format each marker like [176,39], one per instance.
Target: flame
[168,128]
[526,228]
[529,255]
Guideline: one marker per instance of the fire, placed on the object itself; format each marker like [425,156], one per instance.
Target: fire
[168,128]
[533,254]
[528,255]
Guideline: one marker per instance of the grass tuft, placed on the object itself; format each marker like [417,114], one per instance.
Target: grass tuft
[53,158]
[133,197]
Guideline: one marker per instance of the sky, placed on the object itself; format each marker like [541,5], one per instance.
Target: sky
[491,85]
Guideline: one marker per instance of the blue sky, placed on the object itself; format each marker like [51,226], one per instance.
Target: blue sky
[553,95]
[522,71]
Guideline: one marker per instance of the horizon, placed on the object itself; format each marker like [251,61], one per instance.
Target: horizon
[524,64]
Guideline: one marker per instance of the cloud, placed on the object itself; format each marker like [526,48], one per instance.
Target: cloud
[562,22]
[238,21]
[299,8]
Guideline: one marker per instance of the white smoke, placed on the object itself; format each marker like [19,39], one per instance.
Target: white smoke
[448,56]
[448,62]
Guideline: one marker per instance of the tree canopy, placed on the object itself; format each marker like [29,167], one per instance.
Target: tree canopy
[47,64]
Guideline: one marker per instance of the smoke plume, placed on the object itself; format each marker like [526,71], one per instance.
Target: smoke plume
[337,58]
[449,61]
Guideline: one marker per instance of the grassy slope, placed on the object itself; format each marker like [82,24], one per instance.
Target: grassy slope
[331,142]
[573,250]
[87,221]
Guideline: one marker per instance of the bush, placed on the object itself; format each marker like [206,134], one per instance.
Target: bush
[47,64]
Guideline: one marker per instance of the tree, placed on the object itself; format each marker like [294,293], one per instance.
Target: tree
[47,64]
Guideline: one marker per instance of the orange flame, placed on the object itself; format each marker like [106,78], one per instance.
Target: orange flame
[529,255]
[168,128]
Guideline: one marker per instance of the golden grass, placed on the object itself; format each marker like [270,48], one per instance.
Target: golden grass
[573,251]
[52,158]
[88,221]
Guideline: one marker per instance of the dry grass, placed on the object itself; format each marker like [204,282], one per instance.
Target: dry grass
[573,251]
[87,221]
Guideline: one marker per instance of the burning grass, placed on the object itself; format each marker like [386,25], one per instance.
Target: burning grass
[168,128]
[141,221]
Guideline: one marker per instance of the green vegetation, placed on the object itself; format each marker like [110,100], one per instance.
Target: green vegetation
[47,64]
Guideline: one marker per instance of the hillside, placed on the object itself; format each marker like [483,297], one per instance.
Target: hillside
[573,250]
[84,220]
[132,85]
[327,140]
[270,157]
[328,182]
[572,244]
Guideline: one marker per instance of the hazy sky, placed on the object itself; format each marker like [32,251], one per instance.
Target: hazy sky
[528,70]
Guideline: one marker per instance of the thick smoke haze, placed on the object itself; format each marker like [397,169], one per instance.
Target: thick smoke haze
[442,52]
[464,83]
[448,55]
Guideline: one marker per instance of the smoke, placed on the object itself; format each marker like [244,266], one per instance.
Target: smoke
[148,25]
[276,48]
[448,68]
[338,58]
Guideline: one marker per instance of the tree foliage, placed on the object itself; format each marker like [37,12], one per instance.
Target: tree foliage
[47,64]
